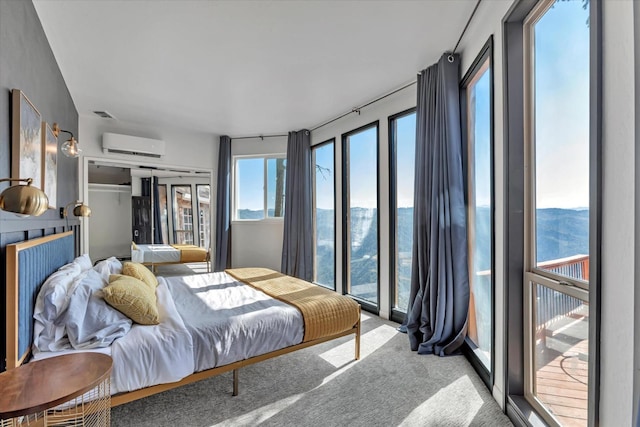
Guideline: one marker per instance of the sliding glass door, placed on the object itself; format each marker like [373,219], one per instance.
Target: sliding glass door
[557,211]
[360,222]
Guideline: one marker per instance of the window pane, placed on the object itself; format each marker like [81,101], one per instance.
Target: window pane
[561,103]
[561,354]
[362,205]
[164,216]
[559,159]
[479,216]
[404,137]
[250,188]
[276,175]
[204,212]
[324,215]
[183,214]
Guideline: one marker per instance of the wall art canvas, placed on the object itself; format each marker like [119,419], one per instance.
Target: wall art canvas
[49,163]
[26,147]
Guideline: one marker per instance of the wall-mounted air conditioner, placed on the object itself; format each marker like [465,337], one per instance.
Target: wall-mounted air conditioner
[132,145]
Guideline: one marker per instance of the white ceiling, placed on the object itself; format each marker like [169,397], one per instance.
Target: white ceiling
[243,67]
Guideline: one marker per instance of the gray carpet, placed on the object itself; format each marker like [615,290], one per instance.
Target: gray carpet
[323,386]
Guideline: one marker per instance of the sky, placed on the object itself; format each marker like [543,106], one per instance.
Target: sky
[562,107]
[250,183]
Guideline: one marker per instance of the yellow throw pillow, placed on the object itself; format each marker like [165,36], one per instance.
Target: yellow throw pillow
[140,272]
[133,298]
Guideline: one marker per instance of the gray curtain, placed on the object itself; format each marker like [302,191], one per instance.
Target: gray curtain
[436,319]
[223,207]
[157,214]
[297,245]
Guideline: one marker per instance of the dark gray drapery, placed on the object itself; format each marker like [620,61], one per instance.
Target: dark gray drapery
[223,207]
[436,319]
[297,245]
[157,214]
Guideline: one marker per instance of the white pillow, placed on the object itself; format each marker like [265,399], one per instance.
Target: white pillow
[51,302]
[108,267]
[90,322]
[84,262]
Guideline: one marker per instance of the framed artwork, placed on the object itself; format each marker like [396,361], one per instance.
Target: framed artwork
[26,146]
[49,164]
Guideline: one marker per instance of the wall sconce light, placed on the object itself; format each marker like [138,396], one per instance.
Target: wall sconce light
[69,147]
[80,209]
[23,200]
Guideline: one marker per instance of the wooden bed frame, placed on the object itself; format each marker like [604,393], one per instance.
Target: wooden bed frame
[23,287]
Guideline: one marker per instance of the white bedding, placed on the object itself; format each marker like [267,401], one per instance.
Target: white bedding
[148,355]
[231,321]
[206,320]
[154,254]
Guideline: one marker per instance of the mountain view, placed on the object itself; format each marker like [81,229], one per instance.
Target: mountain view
[561,233]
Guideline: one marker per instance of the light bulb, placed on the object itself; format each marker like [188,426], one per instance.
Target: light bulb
[70,148]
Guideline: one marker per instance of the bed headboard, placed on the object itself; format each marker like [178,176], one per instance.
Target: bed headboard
[29,263]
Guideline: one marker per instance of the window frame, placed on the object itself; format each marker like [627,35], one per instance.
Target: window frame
[346,287]
[396,314]
[335,216]
[201,223]
[265,158]
[485,55]
[518,409]
[176,211]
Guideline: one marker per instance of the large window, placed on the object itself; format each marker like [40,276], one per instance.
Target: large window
[324,214]
[557,205]
[183,214]
[402,149]
[360,204]
[259,187]
[477,109]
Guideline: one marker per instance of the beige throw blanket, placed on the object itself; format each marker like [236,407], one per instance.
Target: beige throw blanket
[325,312]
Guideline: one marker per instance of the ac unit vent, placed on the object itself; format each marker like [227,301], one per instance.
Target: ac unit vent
[132,145]
[104,114]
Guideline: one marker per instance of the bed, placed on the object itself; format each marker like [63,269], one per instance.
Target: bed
[208,323]
[159,254]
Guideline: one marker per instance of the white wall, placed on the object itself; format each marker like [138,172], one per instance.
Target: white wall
[618,153]
[110,221]
[185,150]
[487,22]
[257,243]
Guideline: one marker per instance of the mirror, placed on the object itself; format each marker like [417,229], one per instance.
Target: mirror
[146,205]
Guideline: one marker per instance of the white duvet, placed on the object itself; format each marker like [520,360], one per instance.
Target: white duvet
[155,254]
[206,320]
[231,321]
[149,355]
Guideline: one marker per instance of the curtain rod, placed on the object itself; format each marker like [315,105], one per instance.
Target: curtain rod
[262,137]
[464,30]
[357,109]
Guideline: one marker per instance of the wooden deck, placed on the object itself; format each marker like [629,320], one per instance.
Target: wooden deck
[561,381]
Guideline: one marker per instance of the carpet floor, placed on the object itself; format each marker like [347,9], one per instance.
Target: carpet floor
[323,386]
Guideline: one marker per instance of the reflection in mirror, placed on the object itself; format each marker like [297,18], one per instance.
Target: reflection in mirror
[142,205]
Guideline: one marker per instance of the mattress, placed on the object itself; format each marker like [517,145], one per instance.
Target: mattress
[231,321]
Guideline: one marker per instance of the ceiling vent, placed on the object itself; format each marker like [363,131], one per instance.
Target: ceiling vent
[104,114]
[132,145]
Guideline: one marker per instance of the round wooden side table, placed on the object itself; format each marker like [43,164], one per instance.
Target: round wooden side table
[68,390]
